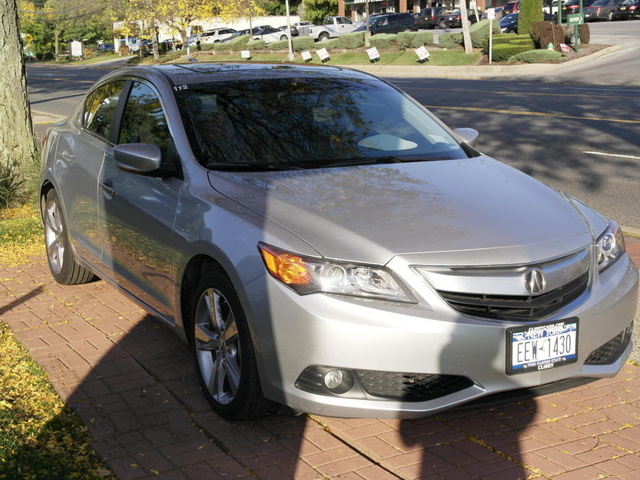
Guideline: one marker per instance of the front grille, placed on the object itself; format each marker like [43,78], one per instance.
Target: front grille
[411,387]
[517,307]
[609,352]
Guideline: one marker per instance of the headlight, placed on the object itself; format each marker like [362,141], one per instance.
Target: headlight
[313,275]
[610,246]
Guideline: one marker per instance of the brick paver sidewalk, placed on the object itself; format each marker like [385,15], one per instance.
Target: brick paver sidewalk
[132,382]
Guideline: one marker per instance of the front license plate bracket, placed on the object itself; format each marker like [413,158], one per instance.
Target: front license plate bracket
[532,348]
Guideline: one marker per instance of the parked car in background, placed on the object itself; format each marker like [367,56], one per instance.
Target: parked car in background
[321,240]
[238,33]
[269,34]
[106,47]
[332,27]
[390,23]
[509,23]
[628,9]
[573,7]
[511,7]
[216,35]
[296,25]
[601,10]
[453,19]
[428,17]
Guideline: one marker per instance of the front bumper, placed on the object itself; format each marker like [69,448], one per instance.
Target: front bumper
[297,336]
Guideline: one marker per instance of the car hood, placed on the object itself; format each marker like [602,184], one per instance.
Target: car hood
[473,212]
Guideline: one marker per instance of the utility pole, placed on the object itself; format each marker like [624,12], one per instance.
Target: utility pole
[466,34]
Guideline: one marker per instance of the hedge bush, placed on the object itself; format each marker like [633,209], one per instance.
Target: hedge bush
[584,33]
[503,52]
[407,40]
[235,44]
[351,40]
[509,38]
[298,44]
[545,33]
[328,44]
[255,45]
[450,40]
[536,56]
[383,41]
[479,31]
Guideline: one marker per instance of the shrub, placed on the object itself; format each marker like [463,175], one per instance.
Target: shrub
[303,43]
[328,44]
[507,38]
[536,56]
[383,41]
[255,45]
[450,40]
[11,186]
[279,45]
[351,40]
[479,31]
[503,52]
[530,12]
[237,44]
[584,33]
[408,40]
[545,33]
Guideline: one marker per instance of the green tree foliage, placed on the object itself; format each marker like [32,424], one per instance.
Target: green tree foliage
[51,24]
[530,12]
[316,10]
[277,7]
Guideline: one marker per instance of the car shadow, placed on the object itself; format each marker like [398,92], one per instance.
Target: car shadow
[133,384]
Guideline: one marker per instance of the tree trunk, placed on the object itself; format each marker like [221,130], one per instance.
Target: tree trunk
[17,146]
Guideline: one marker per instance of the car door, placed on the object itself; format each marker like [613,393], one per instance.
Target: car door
[138,211]
[80,156]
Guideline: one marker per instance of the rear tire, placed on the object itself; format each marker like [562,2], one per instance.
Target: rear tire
[223,350]
[323,36]
[62,263]
[442,24]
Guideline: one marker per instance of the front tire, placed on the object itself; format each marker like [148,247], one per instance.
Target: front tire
[223,350]
[62,263]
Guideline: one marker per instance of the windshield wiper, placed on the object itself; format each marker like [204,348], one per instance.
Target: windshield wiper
[350,162]
[250,167]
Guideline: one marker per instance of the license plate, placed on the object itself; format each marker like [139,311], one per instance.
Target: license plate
[540,347]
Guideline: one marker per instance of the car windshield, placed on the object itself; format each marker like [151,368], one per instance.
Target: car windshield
[290,123]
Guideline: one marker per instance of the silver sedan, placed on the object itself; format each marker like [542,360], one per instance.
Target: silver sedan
[324,242]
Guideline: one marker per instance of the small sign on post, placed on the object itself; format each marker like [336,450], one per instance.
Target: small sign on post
[374,56]
[323,54]
[423,54]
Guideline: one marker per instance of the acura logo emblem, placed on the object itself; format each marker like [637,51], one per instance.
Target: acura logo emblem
[535,280]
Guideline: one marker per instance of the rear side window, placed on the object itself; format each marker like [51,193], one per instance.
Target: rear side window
[100,107]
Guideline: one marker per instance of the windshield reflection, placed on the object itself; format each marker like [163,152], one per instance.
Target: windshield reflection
[308,123]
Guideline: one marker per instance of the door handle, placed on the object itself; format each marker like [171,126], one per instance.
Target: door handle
[107,189]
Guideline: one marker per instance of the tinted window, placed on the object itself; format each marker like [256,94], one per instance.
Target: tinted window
[308,123]
[100,107]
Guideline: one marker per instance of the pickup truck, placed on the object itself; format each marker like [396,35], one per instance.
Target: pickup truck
[331,27]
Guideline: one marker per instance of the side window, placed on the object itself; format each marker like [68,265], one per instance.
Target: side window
[144,122]
[100,107]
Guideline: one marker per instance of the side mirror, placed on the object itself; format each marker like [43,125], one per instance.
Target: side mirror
[140,158]
[467,135]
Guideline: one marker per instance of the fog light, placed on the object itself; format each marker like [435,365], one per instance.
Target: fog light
[338,381]
[333,379]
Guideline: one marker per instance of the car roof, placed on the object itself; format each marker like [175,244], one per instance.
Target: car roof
[193,73]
